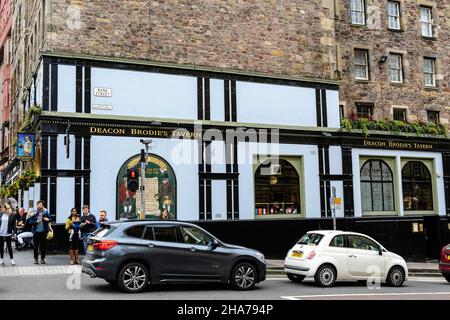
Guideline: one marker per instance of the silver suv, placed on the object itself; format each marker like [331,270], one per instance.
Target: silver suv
[135,253]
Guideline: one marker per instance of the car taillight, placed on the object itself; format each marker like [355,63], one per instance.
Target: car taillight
[104,245]
[311,255]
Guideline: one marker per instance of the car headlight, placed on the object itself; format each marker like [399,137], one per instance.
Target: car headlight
[260,256]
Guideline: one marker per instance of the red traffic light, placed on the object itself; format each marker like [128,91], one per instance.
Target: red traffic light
[133,174]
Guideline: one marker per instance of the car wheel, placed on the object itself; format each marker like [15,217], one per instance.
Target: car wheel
[297,278]
[396,277]
[447,277]
[325,276]
[243,276]
[133,278]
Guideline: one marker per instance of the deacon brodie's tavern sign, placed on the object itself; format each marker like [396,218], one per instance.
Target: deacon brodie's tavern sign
[162,133]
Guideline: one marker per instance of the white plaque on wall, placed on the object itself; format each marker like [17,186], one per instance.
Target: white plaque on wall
[102,107]
[102,92]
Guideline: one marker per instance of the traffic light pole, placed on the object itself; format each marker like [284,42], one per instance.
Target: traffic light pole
[142,187]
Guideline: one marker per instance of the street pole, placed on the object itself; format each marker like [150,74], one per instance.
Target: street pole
[144,163]
[143,166]
[333,207]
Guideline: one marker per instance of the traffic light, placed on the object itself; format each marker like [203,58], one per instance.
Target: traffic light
[132,180]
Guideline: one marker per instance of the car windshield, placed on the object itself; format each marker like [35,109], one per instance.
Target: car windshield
[311,239]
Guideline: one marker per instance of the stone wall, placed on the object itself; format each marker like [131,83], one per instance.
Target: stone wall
[280,37]
[376,38]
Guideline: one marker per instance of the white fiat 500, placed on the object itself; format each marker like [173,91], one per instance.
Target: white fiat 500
[329,256]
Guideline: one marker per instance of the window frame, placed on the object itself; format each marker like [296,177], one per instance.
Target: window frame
[428,22]
[358,65]
[364,105]
[431,182]
[360,13]
[434,112]
[398,70]
[395,17]
[432,72]
[382,181]
[403,110]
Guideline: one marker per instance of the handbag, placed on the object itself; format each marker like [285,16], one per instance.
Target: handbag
[50,233]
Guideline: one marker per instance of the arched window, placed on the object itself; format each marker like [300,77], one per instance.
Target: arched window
[417,187]
[377,186]
[160,190]
[277,189]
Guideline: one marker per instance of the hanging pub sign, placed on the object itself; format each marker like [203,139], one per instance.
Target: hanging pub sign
[25,146]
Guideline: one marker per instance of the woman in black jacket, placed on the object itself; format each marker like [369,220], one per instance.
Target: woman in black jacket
[7,230]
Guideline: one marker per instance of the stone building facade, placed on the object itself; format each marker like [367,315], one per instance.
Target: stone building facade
[405,39]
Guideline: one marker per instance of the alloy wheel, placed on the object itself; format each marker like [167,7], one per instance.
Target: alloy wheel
[245,276]
[134,278]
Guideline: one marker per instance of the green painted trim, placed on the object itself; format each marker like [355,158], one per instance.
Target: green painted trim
[87,116]
[186,67]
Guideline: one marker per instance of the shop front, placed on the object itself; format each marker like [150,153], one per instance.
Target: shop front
[256,161]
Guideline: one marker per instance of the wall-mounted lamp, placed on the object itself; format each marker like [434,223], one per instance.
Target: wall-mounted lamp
[383,59]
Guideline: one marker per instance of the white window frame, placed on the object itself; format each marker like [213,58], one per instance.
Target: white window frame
[394,15]
[426,22]
[431,73]
[360,66]
[397,69]
[358,12]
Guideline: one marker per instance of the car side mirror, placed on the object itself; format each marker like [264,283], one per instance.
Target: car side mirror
[213,244]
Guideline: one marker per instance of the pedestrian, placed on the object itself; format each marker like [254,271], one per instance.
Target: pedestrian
[25,237]
[7,230]
[101,218]
[73,223]
[21,218]
[39,221]
[12,202]
[87,226]
[164,215]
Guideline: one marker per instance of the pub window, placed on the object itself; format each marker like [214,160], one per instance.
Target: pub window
[377,186]
[277,189]
[364,110]
[361,64]
[417,187]
[433,116]
[394,15]
[357,12]
[399,114]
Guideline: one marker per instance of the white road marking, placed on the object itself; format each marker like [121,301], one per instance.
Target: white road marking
[363,295]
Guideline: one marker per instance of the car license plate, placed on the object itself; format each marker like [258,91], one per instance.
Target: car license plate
[90,247]
[297,254]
